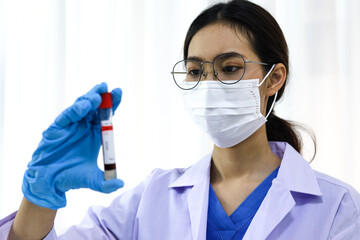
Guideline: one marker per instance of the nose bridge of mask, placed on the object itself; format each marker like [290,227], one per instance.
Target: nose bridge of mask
[215,95]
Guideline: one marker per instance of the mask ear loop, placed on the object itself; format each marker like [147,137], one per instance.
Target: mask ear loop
[266,75]
[272,105]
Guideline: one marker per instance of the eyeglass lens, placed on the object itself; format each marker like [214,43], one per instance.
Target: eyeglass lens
[187,73]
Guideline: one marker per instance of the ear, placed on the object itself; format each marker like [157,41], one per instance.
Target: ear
[276,79]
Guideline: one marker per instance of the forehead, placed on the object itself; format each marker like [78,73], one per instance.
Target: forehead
[219,38]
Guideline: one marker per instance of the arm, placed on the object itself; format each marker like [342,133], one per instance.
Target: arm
[65,159]
[115,221]
[31,222]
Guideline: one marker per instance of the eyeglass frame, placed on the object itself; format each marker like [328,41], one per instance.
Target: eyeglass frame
[202,72]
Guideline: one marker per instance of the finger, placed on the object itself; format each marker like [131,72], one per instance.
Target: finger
[94,95]
[74,113]
[116,98]
[94,98]
[98,183]
[99,88]
[82,106]
[111,185]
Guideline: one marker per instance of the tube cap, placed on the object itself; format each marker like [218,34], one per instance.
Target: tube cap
[106,100]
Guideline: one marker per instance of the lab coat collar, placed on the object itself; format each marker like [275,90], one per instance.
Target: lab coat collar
[195,174]
[295,173]
[197,177]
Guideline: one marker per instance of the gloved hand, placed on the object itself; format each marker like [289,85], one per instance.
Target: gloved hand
[66,157]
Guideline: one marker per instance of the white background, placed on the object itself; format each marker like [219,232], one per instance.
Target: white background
[53,51]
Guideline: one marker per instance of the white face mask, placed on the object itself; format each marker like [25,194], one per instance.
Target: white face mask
[228,113]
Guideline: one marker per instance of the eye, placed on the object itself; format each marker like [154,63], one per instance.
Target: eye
[230,69]
[194,72]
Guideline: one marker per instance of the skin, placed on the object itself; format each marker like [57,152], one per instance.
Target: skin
[235,171]
[31,222]
[238,170]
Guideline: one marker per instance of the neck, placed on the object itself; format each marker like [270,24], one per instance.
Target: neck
[251,158]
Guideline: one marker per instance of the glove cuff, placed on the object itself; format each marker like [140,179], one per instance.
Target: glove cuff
[41,192]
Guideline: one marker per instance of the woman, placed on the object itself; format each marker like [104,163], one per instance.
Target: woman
[253,185]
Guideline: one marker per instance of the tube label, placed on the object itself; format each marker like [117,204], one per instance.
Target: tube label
[108,145]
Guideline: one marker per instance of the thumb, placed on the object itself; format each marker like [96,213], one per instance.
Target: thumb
[111,185]
[98,183]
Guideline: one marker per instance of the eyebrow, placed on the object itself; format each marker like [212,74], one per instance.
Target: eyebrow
[195,59]
[199,59]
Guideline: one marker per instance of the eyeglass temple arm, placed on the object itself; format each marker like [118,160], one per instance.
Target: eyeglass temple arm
[248,61]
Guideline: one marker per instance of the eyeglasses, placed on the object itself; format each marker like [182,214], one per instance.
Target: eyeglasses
[227,67]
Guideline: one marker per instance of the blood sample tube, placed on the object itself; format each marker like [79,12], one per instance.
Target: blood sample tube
[107,136]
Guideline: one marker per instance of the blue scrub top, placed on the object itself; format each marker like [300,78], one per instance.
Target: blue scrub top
[222,227]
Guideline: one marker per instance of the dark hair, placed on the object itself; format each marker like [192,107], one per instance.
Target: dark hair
[269,44]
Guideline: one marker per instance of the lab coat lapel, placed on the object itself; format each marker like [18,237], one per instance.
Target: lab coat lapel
[295,175]
[198,178]
[277,204]
[198,208]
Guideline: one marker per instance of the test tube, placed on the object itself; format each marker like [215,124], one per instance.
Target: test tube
[107,136]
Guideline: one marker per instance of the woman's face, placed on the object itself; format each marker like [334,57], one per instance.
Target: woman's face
[216,39]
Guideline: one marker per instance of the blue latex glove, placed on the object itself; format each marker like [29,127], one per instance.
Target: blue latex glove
[66,157]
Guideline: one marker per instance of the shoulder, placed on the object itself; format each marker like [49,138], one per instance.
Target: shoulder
[332,186]
[164,179]
[183,177]
[346,200]
[167,174]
